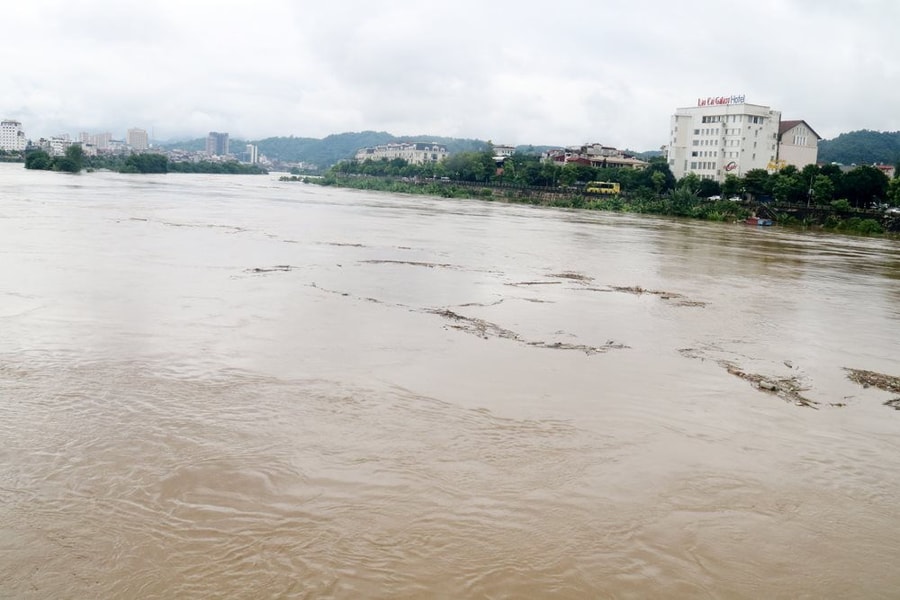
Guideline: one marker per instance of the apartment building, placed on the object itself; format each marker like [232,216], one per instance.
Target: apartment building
[12,136]
[217,143]
[100,141]
[137,139]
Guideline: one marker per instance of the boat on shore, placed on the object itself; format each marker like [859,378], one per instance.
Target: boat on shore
[759,221]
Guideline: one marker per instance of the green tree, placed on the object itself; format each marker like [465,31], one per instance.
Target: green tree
[72,161]
[646,180]
[863,185]
[822,190]
[732,186]
[690,182]
[756,182]
[709,187]
[146,163]
[787,186]
[893,192]
[38,159]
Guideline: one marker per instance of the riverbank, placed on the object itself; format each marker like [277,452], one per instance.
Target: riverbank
[680,204]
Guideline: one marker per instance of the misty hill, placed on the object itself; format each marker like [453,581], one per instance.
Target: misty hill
[331,149]
[862,147]
[857,147]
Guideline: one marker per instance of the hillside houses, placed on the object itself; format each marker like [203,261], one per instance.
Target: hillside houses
[594,155]
[415,153]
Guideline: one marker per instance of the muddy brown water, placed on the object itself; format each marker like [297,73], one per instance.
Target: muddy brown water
[234,387]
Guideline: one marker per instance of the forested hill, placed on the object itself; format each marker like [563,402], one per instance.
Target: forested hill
[863,147]
[856,147]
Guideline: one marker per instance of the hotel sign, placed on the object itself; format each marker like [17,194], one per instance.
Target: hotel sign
[718,100]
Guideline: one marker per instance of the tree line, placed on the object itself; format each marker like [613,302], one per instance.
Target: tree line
[74,161]
[860,187]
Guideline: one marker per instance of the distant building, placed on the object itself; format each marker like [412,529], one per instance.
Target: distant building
[117,146]
[888,170]
[594,155]
[58,144]
[798,144]
[217,144]
[252,154]
[721,136]
[12,136]
[137,139]
[100,141]
[415,153]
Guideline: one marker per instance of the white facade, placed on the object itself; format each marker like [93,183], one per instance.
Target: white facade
[12,137]
[137,139]
[798,144]
[415,153]
[100,141]
[58,144]
[252,154]
[720,137]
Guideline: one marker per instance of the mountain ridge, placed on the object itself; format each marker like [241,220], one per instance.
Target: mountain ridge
[854,147]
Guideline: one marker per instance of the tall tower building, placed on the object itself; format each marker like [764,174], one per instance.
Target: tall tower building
[137,139]
[217,143]
[252,154]
[12,137]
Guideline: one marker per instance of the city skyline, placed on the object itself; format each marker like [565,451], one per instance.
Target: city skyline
[522,75]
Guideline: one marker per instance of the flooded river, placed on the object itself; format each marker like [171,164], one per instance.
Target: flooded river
[234,387]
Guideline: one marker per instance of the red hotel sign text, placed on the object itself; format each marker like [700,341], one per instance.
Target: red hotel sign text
[716,100]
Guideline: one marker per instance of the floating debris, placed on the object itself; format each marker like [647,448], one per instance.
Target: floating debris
[574,276]
[680,299]
[786,388]
[270,269]
[411,263]
[486,329]
[888,383]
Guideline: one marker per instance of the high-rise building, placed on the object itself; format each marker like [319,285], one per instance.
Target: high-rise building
[217,143]
[137,139]
[12,136]
[252,154]
[721,136]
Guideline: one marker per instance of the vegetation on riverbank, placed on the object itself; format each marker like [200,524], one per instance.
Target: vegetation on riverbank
[824,197]
[148,162]
[12,156]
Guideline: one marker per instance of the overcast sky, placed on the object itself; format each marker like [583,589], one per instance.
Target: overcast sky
[514,72]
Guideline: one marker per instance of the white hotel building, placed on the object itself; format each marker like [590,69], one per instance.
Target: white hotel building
[12,137]
[721,136]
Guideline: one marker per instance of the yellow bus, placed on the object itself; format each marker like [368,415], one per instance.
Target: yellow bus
[602,187]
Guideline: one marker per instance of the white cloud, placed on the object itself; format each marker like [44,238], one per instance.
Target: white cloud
[523,72]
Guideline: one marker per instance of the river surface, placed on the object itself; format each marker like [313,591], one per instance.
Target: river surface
[235,387]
